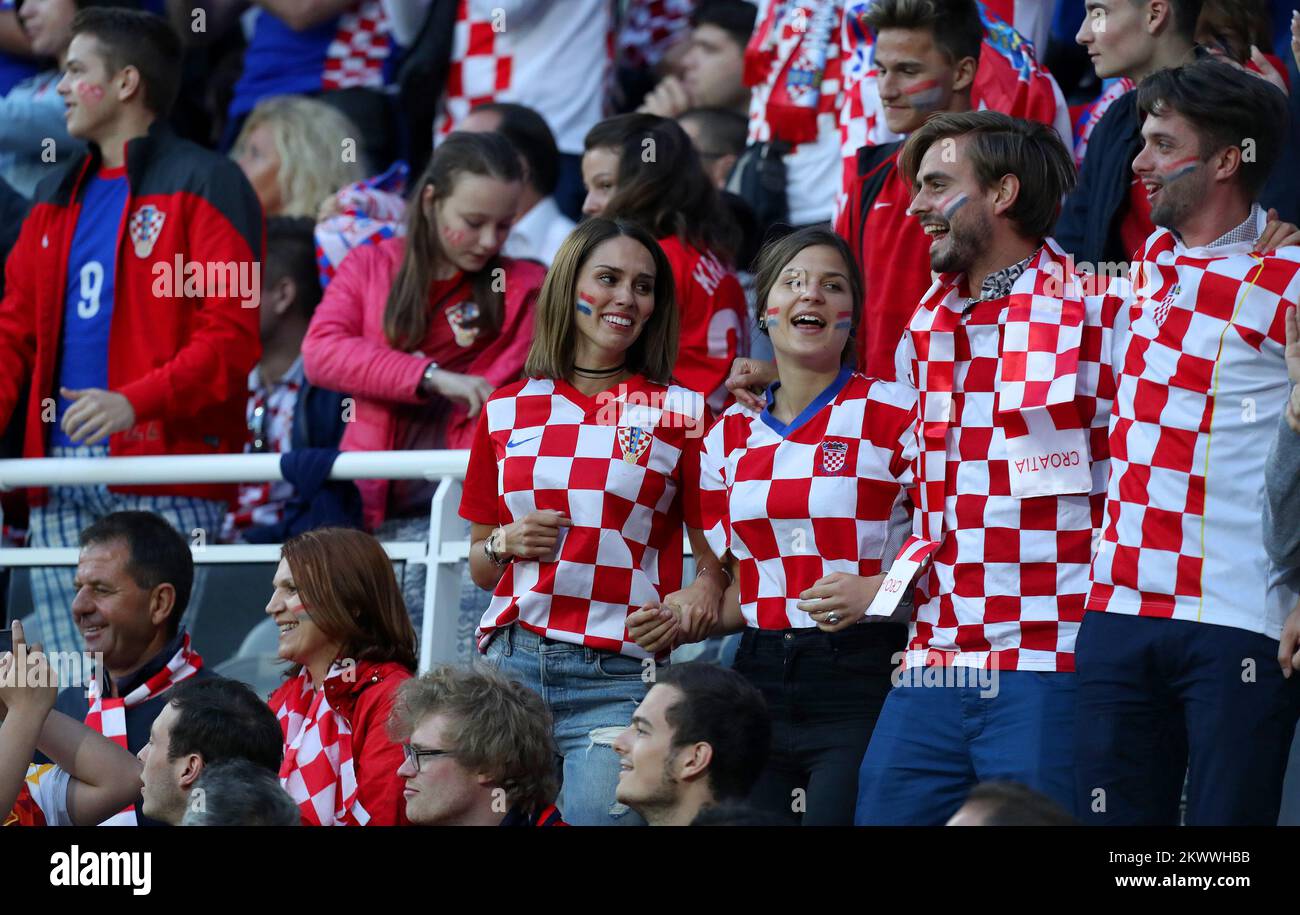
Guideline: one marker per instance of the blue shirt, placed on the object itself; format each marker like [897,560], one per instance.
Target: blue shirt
[88,308]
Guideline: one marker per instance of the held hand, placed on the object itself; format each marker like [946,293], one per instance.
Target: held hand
[748,375]
[96,414]
[1276,234]
[27,683]
[468,390]
[699,606]
[1288,649]
[1266,69]
[1295,36]
[845,596]
[654,627]
[668,99]
[534,536]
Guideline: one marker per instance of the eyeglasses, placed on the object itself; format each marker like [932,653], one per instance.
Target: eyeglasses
[413,756]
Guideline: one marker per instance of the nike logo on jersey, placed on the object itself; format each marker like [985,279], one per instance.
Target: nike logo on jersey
[879,204]
[522,441]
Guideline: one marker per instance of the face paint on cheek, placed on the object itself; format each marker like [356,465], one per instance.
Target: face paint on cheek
[453,237]
[90,93]
[1180,169]
[950,207]
[844,320]
[585,305]
[926,96]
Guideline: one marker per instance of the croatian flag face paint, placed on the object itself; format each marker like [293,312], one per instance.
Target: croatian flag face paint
[844,320]
[585,305]
[1180,169]
[952,205]
[925,96]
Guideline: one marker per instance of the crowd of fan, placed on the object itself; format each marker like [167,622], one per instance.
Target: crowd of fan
[916,317]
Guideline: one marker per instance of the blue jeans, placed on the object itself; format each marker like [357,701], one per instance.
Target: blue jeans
[934,742]
[1161,699]
[591,695]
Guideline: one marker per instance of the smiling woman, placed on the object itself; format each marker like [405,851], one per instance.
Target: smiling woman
[579,480]
[343,625]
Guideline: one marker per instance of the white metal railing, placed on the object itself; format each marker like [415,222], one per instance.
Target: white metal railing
[440,553]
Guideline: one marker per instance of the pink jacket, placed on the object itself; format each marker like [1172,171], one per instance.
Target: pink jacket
[345,350]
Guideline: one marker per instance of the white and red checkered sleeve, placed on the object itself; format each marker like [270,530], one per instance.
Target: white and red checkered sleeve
[713,489]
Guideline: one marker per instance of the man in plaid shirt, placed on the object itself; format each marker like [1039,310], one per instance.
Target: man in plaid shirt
[1008,355]
[1179,674]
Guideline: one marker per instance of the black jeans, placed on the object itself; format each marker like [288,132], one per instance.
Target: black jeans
[824,692]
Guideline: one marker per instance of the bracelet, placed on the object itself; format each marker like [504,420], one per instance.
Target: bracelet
[726,573]
[490,552]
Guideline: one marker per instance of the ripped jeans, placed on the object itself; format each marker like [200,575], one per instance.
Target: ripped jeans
[591,695]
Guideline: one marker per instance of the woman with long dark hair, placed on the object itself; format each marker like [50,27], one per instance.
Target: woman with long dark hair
[807,502]
[420,330]
[579,481]
[643,168]
[343,625]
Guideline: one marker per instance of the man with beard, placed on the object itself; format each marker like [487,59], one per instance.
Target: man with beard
[1182,664]
[1008,357]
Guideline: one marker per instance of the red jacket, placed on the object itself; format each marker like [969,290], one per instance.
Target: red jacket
[366,702]
[182,361]
[346,350]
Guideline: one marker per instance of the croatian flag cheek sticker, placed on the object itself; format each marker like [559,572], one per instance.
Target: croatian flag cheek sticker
[585,305]
[90,93]
[453,237]
[844,320]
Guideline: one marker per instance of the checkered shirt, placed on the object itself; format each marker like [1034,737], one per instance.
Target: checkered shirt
[650,27]
[1008,575]
[624,467]
[269,409]
[1009,79]
[1201,382]
[825,494]
[557,61]
[318,770]
[361,46]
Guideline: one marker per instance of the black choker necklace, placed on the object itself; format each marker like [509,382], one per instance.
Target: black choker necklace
[598,373]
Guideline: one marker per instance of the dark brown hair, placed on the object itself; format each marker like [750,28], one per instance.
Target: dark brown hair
[406,315]
[348,589]
[495,726]
[662,184]
[133,38]
[1000,145]
[771,261]
[555,339]
[1227,107]
[955,24]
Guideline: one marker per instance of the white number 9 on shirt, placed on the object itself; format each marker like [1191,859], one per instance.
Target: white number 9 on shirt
[92,283]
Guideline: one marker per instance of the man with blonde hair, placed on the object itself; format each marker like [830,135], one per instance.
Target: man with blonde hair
[479,750]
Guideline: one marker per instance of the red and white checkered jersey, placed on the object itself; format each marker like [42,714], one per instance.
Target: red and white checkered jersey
[624,467]
[553,57]
[826,493]
[650,28]
[361,46]
[1009,79]
[1007,581]
[1201,382]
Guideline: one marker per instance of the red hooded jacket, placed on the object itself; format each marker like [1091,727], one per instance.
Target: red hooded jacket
[181,343]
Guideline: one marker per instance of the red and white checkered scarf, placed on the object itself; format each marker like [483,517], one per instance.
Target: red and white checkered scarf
[1037,373]
[318,769]
[791,62]
[107,715]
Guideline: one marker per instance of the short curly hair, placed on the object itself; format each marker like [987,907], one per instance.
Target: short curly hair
[496,726]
